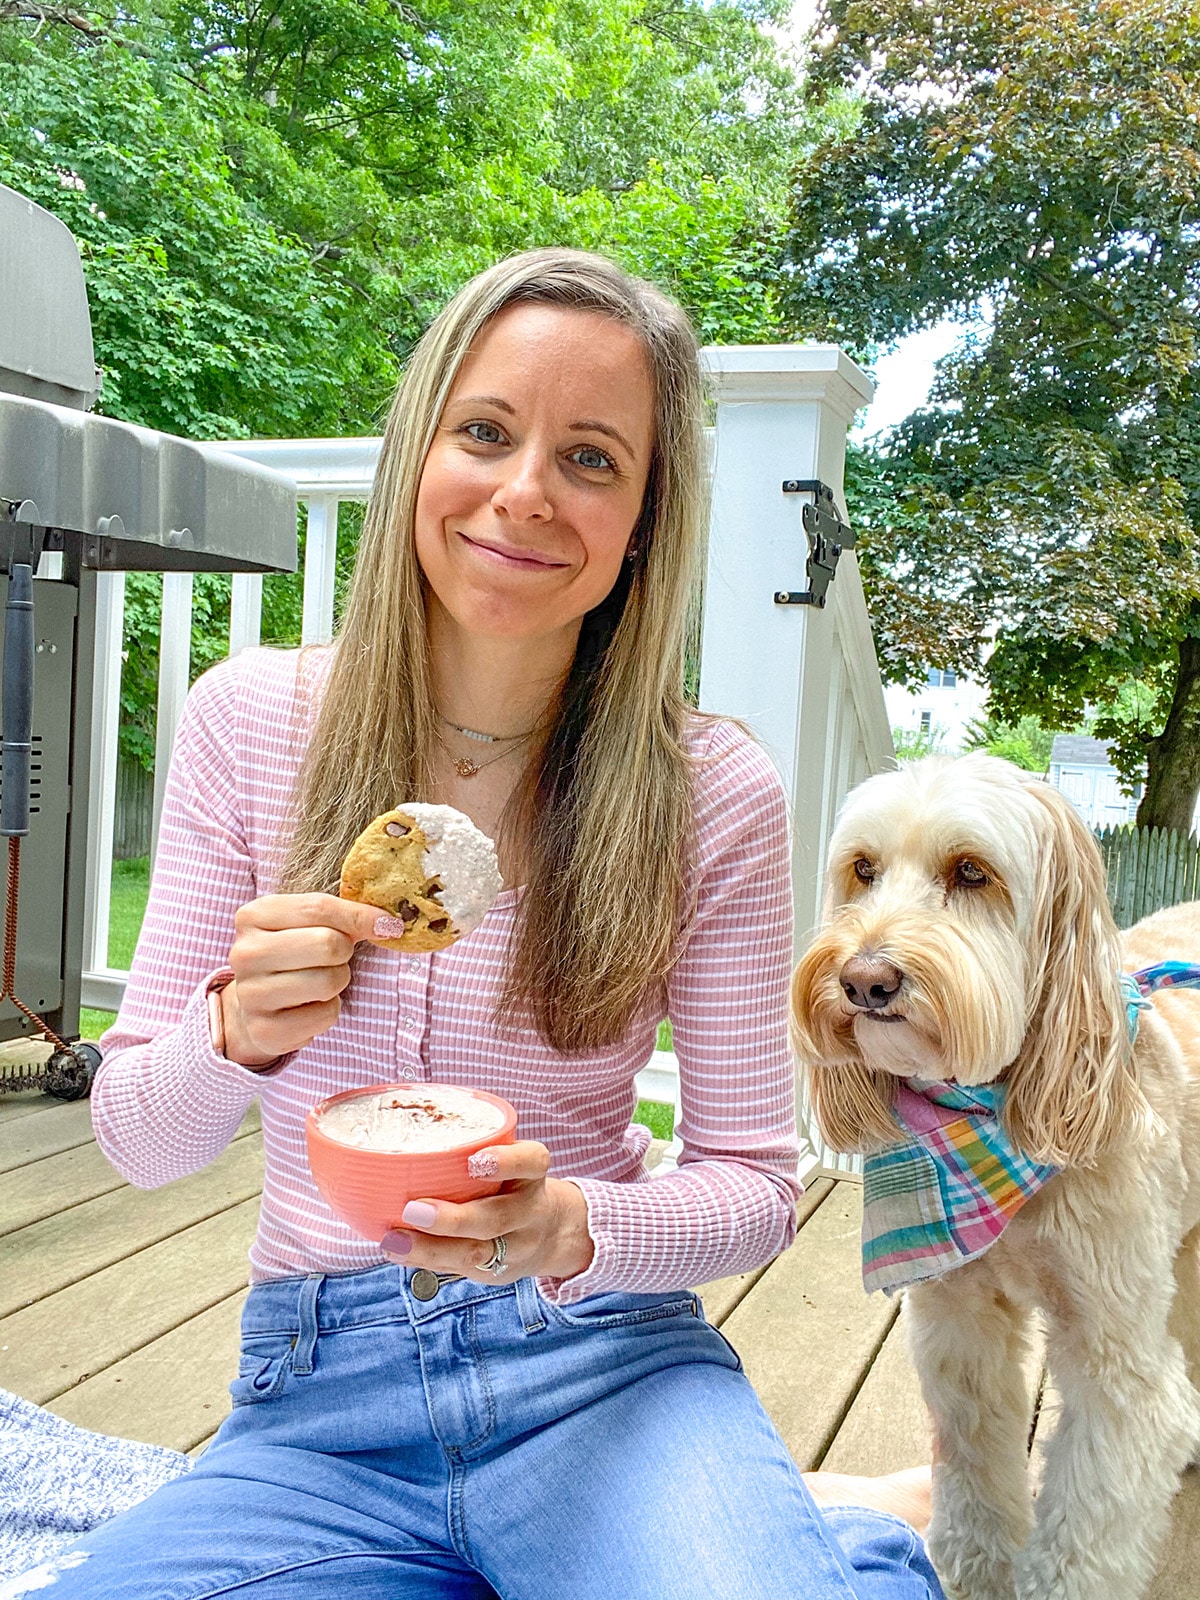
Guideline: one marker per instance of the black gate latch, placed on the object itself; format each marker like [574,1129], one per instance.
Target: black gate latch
[828,536]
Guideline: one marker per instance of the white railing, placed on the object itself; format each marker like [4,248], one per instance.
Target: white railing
[805,679]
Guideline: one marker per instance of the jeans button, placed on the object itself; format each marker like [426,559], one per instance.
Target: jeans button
[424,1284]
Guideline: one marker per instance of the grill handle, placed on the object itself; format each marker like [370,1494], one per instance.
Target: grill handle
[17,703]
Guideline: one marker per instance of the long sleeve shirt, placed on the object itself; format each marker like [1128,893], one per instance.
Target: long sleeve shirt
[165,1104]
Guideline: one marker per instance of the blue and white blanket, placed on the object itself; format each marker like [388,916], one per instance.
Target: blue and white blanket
[58,1482]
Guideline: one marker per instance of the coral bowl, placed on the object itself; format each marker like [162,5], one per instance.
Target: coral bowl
[369,1189]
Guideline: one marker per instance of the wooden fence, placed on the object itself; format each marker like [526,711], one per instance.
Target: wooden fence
[1148,868]
[134,811]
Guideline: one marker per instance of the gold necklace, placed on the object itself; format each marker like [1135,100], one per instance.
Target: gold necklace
[466,768]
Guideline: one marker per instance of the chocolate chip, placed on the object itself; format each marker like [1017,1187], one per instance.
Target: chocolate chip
[406,911]
[396,829]
[438,924]
[433,888]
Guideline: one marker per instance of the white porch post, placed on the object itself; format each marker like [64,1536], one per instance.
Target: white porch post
[805,679]
[782,413]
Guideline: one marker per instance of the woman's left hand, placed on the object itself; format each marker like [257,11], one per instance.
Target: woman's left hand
[543,1221]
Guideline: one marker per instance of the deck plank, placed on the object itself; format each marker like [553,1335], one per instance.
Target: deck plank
[1177,1578]
[723,1295]
[887,1427]
[173,1391]
[53,1184]
[72,1177]
[24,1103]
[38,1260]
[807,1333]
[53,1345]
[45,1133]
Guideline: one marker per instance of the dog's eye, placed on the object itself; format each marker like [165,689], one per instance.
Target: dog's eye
[864,871]
[969,876]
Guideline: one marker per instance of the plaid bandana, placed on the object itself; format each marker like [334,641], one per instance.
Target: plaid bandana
[946,1194]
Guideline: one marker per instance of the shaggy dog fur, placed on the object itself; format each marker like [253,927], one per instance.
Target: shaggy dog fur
[984,891]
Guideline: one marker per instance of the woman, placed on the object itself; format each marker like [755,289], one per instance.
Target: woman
[549,1414]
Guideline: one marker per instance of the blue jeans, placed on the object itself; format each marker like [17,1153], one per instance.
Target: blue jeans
[486,1444]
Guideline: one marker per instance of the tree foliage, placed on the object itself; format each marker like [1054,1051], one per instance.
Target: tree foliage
[1025,742]
[1031,167]
[273,197]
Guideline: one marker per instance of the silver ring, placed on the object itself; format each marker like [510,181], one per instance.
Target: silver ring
[495,1262]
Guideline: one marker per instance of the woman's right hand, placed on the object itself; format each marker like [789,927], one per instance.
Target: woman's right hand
[291,961]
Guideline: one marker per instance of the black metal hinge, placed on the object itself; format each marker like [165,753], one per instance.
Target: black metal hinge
[828,536]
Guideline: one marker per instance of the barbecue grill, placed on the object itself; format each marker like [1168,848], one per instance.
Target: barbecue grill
[80,494]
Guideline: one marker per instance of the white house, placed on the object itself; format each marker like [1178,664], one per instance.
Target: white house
[941,708]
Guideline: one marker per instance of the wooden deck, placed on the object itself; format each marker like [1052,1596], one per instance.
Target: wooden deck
[119,1310]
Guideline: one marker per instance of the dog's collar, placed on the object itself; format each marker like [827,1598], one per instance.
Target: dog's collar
[1163,975]
[947,1192]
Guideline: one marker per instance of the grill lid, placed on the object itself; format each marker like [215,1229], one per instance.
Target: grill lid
[46,330]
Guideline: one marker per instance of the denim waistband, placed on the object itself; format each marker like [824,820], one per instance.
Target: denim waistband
[326,1302]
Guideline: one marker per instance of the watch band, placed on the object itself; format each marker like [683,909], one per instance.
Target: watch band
[216,1015]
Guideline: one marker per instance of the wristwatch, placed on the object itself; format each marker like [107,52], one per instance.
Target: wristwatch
[216,1015]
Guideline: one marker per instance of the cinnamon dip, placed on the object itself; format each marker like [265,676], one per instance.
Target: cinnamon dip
[421,1118]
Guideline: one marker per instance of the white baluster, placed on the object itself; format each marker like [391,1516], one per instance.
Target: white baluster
[320,556]
[174,663]
[245,611]
[102,779]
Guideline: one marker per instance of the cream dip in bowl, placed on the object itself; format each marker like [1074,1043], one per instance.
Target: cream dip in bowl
[373,1150]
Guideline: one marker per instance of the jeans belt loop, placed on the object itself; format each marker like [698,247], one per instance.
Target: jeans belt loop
[529,1305]
[306,1339]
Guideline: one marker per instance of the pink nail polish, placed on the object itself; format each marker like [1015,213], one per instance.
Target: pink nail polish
[388,928]
[419,1214]
[484,1164]
[395,1244]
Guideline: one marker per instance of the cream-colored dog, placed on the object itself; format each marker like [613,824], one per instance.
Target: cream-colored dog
[967,935]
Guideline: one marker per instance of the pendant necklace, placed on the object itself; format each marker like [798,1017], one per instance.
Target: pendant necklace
[463,765]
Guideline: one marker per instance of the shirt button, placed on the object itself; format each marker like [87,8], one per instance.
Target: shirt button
[414,964]
[407,1072]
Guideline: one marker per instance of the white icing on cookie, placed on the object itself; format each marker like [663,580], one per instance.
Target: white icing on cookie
[462,857]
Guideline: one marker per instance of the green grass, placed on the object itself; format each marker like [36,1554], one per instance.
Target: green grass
[657,1116]
[131,885]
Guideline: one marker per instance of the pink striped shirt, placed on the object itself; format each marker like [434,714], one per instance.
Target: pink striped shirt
[165,1104]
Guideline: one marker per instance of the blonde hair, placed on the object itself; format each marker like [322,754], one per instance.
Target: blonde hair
[606,808]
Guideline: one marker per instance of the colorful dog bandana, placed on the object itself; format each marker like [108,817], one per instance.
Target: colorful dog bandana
[945,1195]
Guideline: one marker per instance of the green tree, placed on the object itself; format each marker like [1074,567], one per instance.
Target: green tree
[1025,742]
[915,745]
[1033,169]
[272,200]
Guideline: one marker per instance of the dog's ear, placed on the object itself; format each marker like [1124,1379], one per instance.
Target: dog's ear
[851,1101]
[1073,1088]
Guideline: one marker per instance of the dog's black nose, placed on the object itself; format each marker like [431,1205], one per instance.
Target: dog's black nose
[870,982]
